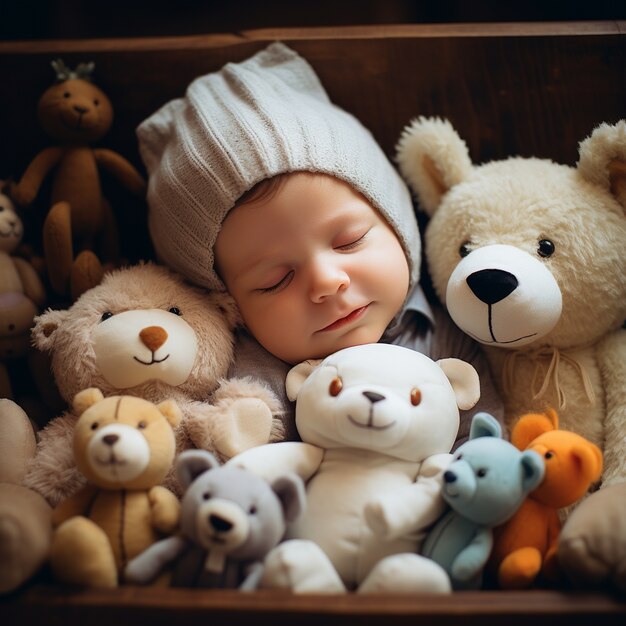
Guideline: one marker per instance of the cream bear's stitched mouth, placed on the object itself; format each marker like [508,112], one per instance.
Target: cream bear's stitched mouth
[157,361]
[372,426]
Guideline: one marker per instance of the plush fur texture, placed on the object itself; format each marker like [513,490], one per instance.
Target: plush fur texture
[528,257]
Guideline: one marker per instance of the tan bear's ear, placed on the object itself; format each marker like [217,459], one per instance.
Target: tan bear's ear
[227,306]
[43,333]
[432,158]
[171,411]
[603,159]
[588,459]
[86,398]
[528,427]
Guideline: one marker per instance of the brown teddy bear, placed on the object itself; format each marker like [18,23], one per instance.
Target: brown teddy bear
[75,112]
[146,333]
[124,446]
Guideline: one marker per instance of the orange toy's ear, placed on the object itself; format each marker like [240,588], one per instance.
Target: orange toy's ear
[530,426]
[587,459]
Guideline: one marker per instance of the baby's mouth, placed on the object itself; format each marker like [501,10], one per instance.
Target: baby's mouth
[342,321]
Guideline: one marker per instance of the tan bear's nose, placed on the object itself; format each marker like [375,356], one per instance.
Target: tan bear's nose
[153,337]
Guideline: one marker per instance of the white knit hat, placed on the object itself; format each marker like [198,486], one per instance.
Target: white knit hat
[253,120]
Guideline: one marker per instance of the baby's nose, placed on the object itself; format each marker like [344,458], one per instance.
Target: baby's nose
[327,280]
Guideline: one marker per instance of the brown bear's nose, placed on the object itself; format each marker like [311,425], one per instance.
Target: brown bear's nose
[80,109]
[110,439]
[153,337]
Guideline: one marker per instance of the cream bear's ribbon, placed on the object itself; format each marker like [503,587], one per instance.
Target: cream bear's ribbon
[552,373]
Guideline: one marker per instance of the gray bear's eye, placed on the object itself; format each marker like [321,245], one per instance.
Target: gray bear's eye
[481,473]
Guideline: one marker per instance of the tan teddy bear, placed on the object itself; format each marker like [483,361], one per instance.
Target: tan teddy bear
[124,446]
[528,257]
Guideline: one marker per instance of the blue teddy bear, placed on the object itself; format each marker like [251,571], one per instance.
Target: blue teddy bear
[486,482]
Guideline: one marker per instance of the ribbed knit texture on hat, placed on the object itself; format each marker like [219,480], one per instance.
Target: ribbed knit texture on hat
[249,121]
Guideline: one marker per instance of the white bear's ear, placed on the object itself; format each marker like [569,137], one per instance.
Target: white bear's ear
[227,306]
[191,463]
[171,412]
[485,425]
[533,469]
[86,398]
[603,159]
[297,375]
[290,491]
[464,380]
[432,158]
[43,333]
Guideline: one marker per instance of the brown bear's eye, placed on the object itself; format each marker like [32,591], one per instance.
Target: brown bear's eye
[96,102]
[545,248]
[465,249]
[416,396]
[175,310]
[549,454]
[142,425]
[105,316]
[66,94]
[94,426]
[335,387]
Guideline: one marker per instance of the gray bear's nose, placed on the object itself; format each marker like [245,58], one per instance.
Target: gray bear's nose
[110,439]
[219,523]
[491,286]
[373,397]
[449,476]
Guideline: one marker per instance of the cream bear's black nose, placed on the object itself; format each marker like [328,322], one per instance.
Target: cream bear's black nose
[491,286]
[449,476]
[373,396]
[110,439]
[219,523]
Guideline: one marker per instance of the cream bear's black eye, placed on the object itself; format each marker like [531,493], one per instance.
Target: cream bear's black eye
[206,495]
[142,425]
[465,249]
[175,310]
[545,248]
[335,387]
[105,316]
[252,510]
[481,473]
[94,426]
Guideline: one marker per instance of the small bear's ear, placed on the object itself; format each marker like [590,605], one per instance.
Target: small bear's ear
[602,159]
[297,375]
[587,458]
[43,333]
[432,158]
[171,412]
[528,427]
[464,380]
[86,398]
[485,425]
[191,463]
[533,469]
[290,491]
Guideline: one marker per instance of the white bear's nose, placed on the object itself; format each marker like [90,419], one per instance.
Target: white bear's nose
[373,397]
[153,337]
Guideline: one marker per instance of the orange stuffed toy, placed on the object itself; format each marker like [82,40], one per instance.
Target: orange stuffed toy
[74,112]
[526,545]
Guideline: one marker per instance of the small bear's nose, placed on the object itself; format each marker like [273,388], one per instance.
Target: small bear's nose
[373,397]
[491,286]
[449,476]
[219,523]
[110,439]
[153,337]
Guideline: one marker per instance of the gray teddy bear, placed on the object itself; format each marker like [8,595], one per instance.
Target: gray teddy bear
[230,519]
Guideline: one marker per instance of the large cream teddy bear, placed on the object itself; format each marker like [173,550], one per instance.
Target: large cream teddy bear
[377,423]
[141,332]
[528,257]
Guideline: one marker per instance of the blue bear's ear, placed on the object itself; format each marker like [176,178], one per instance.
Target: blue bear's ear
[191,463]
[485,425]
[533,469]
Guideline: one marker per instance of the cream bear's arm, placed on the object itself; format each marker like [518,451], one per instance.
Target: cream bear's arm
[275,459]
[78,504]
[412,508]
[164,509]
[611,355]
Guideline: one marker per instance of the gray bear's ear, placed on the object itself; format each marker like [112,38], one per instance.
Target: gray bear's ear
[43,333]
[290,491]
[191,463]
[485,425]
[432,158]
[533,469]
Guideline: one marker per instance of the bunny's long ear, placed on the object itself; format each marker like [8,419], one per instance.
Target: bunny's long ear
[432,158]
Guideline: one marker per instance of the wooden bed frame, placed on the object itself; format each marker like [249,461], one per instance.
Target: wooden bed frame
[529,89]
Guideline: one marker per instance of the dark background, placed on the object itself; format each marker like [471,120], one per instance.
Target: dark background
[69,19]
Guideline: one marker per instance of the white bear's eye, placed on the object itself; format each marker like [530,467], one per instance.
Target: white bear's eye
[465,249]
[545,248]
[481,473]
[252,510]
[416,396]
[335,387]
[206,495]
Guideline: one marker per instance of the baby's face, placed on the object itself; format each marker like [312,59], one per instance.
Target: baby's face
[313,268]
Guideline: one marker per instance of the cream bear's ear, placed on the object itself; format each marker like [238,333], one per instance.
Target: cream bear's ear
[603,159]
[297,375]
[227,306]
[171,412]
[86,398]
[43,333]
[464,380]
[432,158]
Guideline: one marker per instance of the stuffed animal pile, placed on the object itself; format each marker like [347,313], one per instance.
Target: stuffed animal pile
[528,257]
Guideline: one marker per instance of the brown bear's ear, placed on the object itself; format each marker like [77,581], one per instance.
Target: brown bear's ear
[432,158]
[86,398]
[603,159]
[588,459]
[528,427]
[43,333]
[227,306]
[171,412]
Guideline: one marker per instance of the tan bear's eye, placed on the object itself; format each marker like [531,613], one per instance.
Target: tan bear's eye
[416,396]
[335,387]
[94,426]
[175,310]
[142,424]
[105,316]
[465,249]
[545,248]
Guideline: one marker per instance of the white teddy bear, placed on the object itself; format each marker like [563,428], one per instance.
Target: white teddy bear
[529,258]
[377,424]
